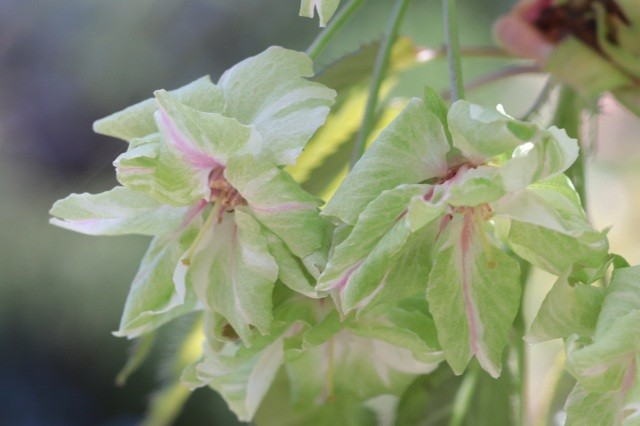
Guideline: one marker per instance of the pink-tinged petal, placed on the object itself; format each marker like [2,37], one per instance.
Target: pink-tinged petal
[341,283]
[467,261]
[182,143]
[193,212]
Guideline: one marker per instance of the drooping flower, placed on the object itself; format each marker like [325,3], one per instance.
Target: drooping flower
[433,204]
[326,362]
[592,45]
[202,175]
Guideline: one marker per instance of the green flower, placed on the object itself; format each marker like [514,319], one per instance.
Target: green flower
[202,174]
[606,364]
[431,206]
[324,359]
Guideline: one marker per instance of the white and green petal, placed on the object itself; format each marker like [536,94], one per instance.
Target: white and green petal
[481,133]
[325,8]
[278,203]
[547,227]
[603,365]
[137,120]
[154,298]
[271,92]
[194,144]
[474,295]
[567,309]
[607,368]
[380,255]
[605,408]
[410,150]
[116,212]
[230,268]
[379,354]
[242,375]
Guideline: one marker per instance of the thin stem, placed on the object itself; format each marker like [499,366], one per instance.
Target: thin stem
[464,395]
[567,117]
[323,39]
[379,69]
[453,49]
[498,75]
[520,328]
[541,100]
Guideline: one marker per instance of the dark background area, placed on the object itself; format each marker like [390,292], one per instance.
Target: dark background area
[66,63]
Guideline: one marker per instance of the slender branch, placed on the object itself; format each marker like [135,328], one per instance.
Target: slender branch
[496,76]
[541,100]
[462,401]
[453,49]
[338,21]
[379,69]
[519,345]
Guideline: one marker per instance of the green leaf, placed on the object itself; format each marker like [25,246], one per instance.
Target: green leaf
[566,310]
[567,64]
[624,52]
[233,273]
[325,8]
[116,212]
[137,121]
[473,294]
[154,299]
[270,92]
[377,256]
[410,150]
[278,203]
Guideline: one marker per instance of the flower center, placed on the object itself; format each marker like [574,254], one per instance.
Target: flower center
[223,193]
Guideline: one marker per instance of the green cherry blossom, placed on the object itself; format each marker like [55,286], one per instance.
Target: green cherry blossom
[432,206]
[202,174]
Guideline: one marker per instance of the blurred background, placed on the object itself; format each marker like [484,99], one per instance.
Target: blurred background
[66,63]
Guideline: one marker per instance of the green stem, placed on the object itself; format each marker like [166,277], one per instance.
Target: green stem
[334,26]
[462,401]
[567,116]
[453,49]
[519,345]
[379,69]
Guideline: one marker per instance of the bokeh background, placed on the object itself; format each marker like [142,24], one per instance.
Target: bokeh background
[66,63]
